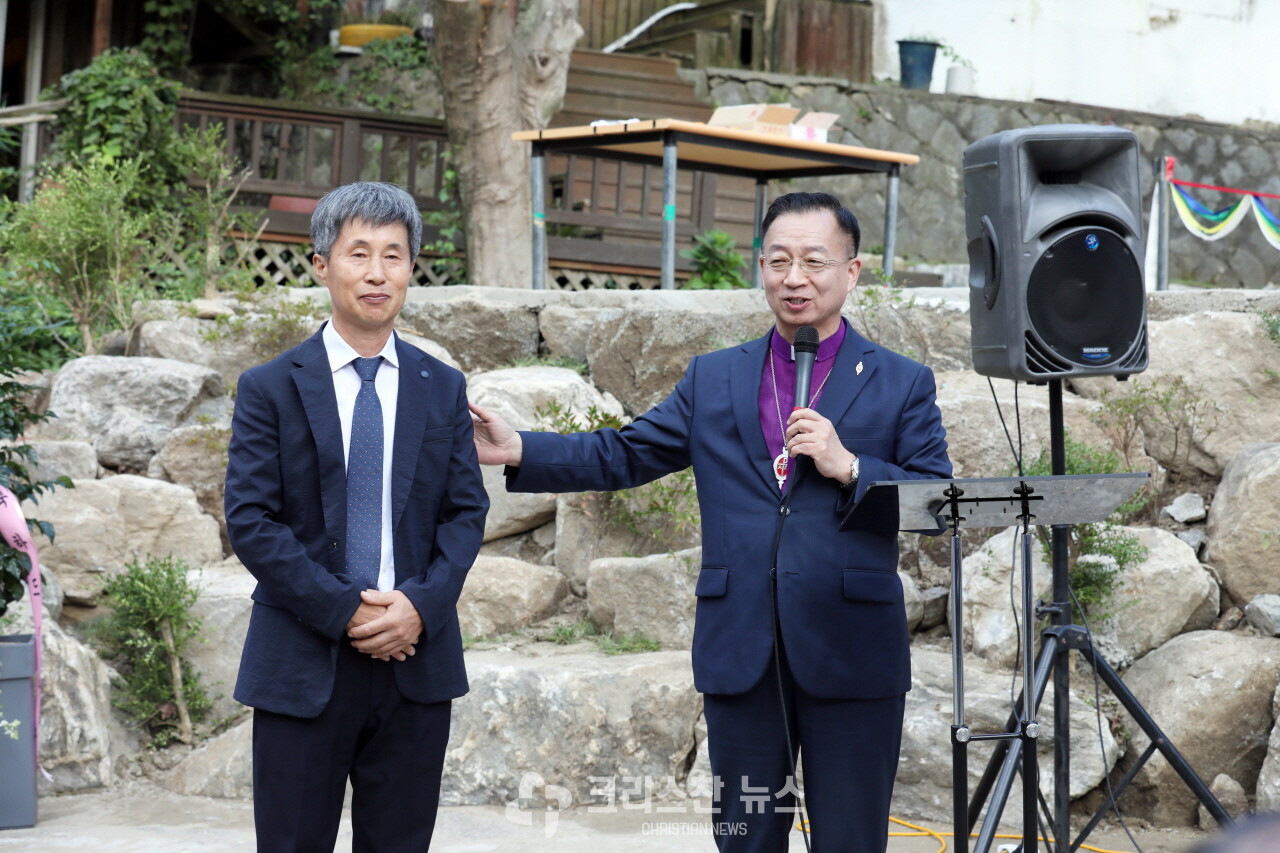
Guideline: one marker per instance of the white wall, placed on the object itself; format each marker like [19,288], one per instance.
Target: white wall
[1217,59]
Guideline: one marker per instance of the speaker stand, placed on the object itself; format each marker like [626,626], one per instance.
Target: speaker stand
[1057,642]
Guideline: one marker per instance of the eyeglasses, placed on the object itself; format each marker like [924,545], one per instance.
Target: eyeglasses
[812,264]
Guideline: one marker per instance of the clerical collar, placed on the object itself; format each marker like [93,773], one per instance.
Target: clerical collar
[827,348]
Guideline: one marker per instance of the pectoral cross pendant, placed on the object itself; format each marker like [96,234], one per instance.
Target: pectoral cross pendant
[780,463]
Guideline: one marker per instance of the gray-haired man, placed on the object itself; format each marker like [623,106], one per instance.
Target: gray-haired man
[354,498]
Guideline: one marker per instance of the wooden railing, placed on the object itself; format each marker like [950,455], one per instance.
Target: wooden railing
[604,216]
[296,153]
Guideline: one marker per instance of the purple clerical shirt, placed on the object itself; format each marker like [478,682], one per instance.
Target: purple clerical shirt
[775,408]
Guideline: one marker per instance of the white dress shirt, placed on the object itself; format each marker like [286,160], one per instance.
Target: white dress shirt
[346,385]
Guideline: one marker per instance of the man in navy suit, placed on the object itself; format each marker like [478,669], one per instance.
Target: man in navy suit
[354,498]
[806,652]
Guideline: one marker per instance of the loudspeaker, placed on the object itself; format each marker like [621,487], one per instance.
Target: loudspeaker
[1053,219]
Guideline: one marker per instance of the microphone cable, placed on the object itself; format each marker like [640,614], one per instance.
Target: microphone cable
[784,510]
[1088,629]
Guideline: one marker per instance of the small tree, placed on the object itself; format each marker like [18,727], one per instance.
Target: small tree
[83,241]
[146,637]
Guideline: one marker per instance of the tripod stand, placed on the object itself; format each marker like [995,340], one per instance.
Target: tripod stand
[1056,501]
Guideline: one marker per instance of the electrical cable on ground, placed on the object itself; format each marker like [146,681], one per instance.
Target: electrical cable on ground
[941,836]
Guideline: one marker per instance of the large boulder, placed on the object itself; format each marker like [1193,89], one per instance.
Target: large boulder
[1164,595]
[924,788]
[220,767]
[103,524]
[567,318]
[195,456]
[81,739]
[533,546]
[1156,599]
[502,594]
[222,606]
[74,459]
[656,518]
[1211,694]
[578,720]
[930,327]
[529,398]
[1170,304]
[1246,505]
[513,513]
[540,397]
[640,355]
[989,630]
[977,444]
[211,344]
[652,596]
[429,346]
[126,406]
[1267,794]
[1242,359]
[485,327]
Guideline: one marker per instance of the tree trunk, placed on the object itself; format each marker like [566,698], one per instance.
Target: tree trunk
[503,65]
[185,731]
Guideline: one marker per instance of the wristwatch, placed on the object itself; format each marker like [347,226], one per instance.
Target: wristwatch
[853,473]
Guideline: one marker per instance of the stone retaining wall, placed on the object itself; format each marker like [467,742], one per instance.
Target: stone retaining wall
[938,127]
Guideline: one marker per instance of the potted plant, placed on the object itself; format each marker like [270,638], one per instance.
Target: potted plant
[915,58]
[390,24]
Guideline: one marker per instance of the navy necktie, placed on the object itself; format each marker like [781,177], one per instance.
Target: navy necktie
[364,480]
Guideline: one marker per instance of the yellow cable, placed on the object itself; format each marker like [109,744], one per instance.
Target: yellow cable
[940,837]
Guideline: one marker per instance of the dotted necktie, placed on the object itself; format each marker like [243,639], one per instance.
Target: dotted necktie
[364,480]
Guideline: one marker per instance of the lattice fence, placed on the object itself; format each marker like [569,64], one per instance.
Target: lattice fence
[289,264]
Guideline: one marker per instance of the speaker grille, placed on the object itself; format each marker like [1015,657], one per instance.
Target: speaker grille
[1041,361]
[1085,302]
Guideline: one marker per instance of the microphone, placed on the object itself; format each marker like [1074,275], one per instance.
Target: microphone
[805,348]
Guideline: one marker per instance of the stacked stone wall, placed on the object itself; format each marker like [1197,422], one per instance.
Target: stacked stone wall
[938,127]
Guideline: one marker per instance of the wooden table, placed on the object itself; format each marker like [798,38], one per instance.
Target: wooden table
[672,144]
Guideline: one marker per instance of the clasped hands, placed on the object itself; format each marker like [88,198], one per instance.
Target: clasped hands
[810,434]
[386,625]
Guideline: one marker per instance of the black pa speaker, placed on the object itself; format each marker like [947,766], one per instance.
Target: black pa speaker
[1053,219]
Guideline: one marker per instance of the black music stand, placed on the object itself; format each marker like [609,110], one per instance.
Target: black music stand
[932,507]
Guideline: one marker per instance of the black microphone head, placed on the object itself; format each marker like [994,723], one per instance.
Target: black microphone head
[806,339]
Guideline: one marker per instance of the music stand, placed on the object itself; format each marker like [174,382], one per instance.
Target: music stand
[932,507]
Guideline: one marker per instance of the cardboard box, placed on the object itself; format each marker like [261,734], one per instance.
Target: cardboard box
[813,126]
[775,119]
[763,118]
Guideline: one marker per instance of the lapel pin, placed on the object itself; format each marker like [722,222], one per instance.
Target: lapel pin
[858,369]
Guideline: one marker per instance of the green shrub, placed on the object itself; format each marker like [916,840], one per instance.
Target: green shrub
[1173,416]
[145,638]
[717,265]
[1098,553]
[83,242]
[120,108]
[18,354]
[662,512]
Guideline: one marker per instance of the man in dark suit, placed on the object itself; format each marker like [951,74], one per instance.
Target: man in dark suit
[806,652]
[354,497]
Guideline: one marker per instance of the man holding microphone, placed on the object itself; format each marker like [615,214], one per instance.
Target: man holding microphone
[801,642]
